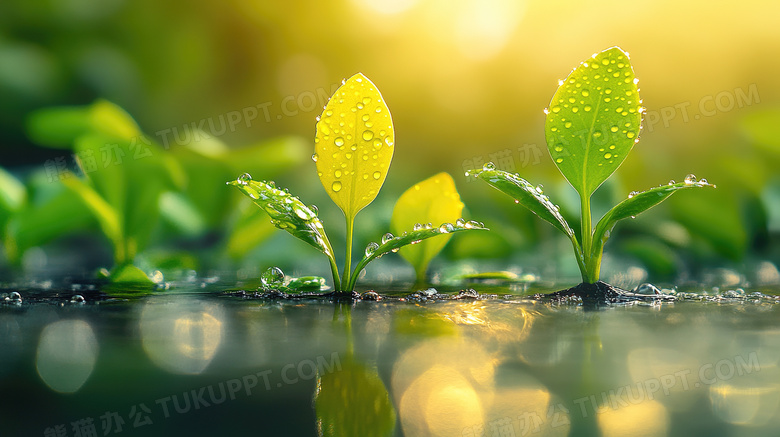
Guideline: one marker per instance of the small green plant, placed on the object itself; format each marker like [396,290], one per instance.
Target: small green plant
[354,145]
[592,124]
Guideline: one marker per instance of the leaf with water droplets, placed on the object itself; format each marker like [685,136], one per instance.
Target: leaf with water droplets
[635,204]
[527,195]
[434,200]
[287,212]
[354,144]
[594,120]
[393,244]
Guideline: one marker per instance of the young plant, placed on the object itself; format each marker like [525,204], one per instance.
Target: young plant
[592,124]
[434,200]
[354,145]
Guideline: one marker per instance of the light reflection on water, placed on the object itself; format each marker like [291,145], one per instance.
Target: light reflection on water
[454,368]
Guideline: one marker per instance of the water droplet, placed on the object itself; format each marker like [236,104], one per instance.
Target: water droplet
[314,210]
[460,223]
[575,109]
[77,298]
[366,100]
[337,173]
[630,134]
[704,181]
[613,129]
[546,111]
[559,160]
[314,157]
[556,109]
[371,248]
[339,141]
[272,278]
[336,186]
[632,194]
[488,166]
[378,109]
[690,179]
[612,147]
[558,149]
[587,108]
[389,142]
[244,179]
[672,182]
[607,155]
[387,237]
[377,175]
[14,297]
[567,124]
[417,226]
[572,100]
[446,228]
[368,135]
[585,93]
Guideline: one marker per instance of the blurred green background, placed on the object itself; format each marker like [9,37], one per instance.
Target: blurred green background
[466,81]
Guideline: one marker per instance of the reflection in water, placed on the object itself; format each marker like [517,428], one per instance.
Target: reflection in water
[181,336]
[645,419]
[671,368]
[353,401]
[751,400]
[442,386]
[66,356]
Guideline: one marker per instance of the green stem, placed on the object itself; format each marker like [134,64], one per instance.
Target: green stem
[587,240]
[345,279]
[334,270]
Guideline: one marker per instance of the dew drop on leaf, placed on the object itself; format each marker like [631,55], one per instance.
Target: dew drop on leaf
[690,179]
[377,175]
[314,157]
[387,237]
[368,135]
[339,141]
[371,248]
[336,186]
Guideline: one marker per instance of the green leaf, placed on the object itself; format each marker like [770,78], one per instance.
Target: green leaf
[13,197]
[287,212]
[250,230]
[636,204]
[353,401]
[60,126]
[105,214]
[527,195]
[130,274]
[434,200]
[594,120]
[391,243]
[354,145]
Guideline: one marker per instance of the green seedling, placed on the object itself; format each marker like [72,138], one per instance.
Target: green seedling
[592,124]
[354,146]
[434,200]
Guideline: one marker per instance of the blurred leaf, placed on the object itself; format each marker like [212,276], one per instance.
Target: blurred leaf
[353,401]
[636,204]
[714,216]
[106,215]
[287,212]
[13,196]
[203,187]
[594,119]
[660,260]
[434,200]
[109,119]
[354,145]
[178,211]
[485,245]
[60,126]
[251,229]
[268,158]
[59,212]
[392,243]
[130,274]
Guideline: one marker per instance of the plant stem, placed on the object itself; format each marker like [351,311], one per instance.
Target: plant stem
[345,279]
[334,270]
[587,239]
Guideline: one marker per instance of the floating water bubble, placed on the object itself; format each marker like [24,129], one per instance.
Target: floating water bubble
[14,297]
[371,248]
[273,277]
[387,237]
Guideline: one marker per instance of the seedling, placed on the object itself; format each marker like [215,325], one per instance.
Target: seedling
[592,124]
[354,145]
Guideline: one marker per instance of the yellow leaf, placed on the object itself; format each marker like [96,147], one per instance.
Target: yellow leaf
[435,201]
[354,144]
